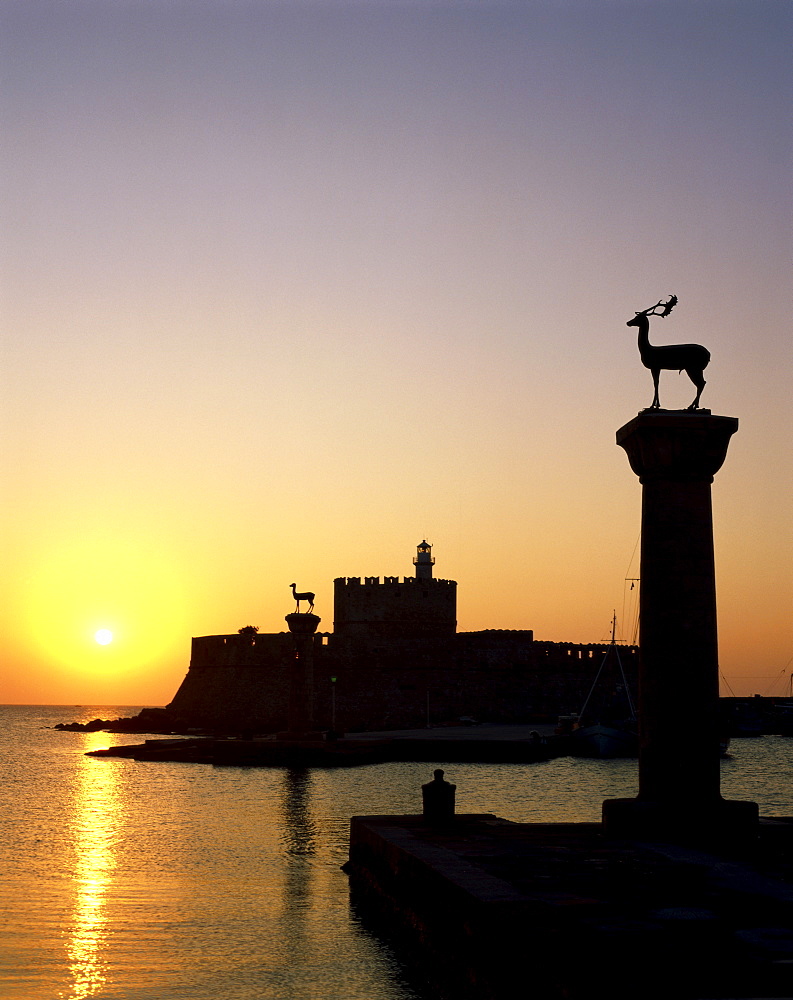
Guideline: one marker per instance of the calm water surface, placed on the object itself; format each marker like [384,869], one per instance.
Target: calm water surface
[189,882]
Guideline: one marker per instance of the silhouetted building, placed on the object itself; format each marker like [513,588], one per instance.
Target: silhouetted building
[398,662]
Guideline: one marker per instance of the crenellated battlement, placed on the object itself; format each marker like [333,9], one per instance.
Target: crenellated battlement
[394,607]
[258,650]
[374,581]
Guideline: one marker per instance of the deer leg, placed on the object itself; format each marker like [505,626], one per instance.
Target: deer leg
[655,373]
[695,374]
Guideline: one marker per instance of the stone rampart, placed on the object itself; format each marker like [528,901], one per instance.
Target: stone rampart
[239,681]
[231,650]
[391,681]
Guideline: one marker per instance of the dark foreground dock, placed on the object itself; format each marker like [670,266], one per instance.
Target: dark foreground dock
[486,909]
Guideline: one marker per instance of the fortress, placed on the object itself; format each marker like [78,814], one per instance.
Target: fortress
[394,660]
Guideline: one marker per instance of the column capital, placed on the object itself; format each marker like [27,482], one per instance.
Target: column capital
[302,623]
[685,445]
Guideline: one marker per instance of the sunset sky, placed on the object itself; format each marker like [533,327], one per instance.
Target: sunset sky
[288,287]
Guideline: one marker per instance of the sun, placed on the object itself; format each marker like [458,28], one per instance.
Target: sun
[103,636]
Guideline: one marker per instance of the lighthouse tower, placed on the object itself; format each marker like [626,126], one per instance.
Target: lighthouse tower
[423,561]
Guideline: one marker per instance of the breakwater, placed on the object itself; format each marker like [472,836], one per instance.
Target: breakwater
[341,752]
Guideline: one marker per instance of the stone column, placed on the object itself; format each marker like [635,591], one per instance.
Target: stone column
[676,454]
[301,682]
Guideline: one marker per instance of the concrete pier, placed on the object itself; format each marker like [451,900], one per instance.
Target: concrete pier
[676,454]
[485,909]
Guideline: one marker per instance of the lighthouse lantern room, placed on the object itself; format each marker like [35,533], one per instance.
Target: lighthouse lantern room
[423,561]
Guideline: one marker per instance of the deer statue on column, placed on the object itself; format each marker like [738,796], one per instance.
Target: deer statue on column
[691,358]
[302,597]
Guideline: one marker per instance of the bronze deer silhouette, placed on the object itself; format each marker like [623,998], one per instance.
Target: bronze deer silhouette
[691,358]
[302,597]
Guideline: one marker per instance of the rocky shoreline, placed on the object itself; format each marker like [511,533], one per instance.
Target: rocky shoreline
[148,720]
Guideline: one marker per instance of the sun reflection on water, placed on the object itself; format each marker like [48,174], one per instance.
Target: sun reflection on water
[96,820]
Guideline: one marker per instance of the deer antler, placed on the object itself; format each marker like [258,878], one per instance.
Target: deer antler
[666,307]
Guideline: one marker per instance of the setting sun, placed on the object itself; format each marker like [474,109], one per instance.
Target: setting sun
[114,609]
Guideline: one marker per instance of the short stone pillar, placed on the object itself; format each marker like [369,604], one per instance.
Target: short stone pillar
[676,454]
[301,681]
[438,800]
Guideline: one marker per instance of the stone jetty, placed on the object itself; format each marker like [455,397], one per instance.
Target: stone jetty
[485,909]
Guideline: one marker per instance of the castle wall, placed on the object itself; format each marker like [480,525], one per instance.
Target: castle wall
[394,608]
[386,682]
[494,676]
[238,680]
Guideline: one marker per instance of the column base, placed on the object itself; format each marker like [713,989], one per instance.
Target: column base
[711,824]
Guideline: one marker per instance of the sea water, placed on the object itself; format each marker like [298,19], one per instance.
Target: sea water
[165,881]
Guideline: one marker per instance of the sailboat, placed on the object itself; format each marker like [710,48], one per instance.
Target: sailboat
[607,725]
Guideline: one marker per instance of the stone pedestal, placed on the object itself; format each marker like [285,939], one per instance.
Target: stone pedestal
[676,455]
[301,684]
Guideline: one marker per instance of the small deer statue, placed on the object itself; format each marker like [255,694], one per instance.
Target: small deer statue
[690,358]
[302,597]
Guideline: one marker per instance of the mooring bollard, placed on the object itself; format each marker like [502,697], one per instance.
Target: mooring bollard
[438,800]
